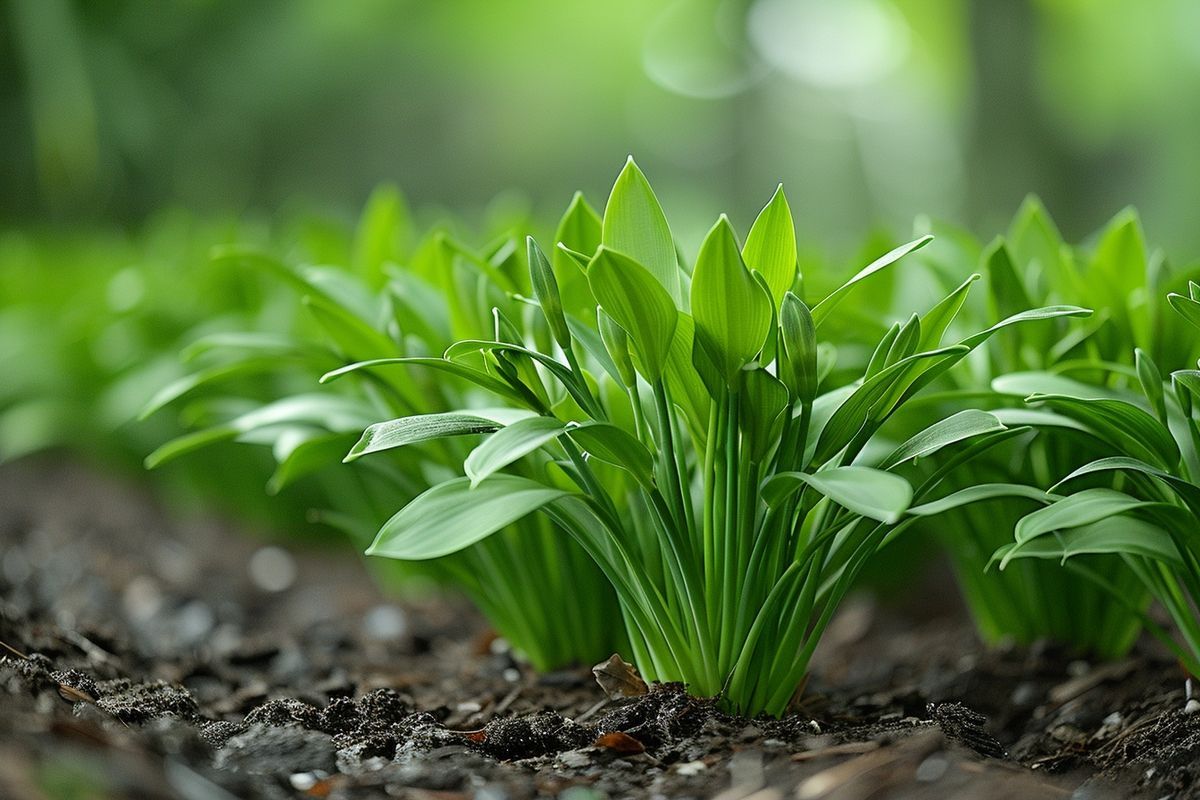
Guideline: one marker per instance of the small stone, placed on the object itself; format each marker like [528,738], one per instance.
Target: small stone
[512,675]
[385,623]
[303,781]
[272,569]
[1192,706]
[691,768]
[932,769]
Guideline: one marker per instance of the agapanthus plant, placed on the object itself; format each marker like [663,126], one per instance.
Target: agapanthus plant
[1124,283]
[260,387]
[695,449]
[1137,504]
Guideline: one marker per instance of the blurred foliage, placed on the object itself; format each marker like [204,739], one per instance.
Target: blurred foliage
[870,110]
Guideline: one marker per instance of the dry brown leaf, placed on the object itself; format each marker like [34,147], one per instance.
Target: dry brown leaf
[618,678]
[621,743]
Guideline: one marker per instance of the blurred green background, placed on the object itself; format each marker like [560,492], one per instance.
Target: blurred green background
[870,111]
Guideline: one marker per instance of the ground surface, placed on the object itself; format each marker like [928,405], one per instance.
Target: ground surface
[152,659]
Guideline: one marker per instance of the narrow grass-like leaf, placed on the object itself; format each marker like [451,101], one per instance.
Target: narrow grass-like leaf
[822,309]
[1082,508]
[963,425]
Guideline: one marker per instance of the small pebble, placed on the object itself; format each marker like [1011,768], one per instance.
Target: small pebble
[932,769]
[691,768]
[303,781]
[512,675]
[469,707]
[385,623]
[1192,706]
[272,569]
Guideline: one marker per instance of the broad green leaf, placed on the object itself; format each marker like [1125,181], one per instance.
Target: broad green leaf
[612,445]
[764,400]
[509,444]
[382,233]
[418,428]
[870,492]
[308,457]
[1188,308]
[351,336]
[1034,240]
[1117,535]
[731,310]
[1081,508]
[634,225]
[822,309]
[979,494]
[771,246]
[576,239]
[798,367]
[188,383]
[1121,423]
[1024,384]
[545,289]
[454,515]
[953,429]
[635,300]
[1008,293]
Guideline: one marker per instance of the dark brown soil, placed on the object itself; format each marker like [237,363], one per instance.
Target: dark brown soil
[153,659]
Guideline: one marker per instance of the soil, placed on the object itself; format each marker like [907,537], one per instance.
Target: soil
[151,658]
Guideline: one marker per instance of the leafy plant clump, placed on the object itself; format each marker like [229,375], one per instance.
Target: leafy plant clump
[1125,283]
[684,429]
[1137,504]
[387,299]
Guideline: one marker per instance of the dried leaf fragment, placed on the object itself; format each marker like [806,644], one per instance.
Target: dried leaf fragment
[618,678]
[621,743]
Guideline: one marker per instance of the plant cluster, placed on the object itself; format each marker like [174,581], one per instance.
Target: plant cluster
[608,447]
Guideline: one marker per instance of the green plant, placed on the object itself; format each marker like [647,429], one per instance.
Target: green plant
[1118,277]
[260,387]
[699,452]
[1138,504]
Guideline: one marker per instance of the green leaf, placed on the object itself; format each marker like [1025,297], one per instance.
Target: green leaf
[545,289]
[458,369]
[1122,424]
[979,494]
[1188,308]
[616,344]
[510,444]
[953,429]
[731,310]
[764,401]
[576,239]
[823,308]
[418,428]
[634,225]
[1008,293]
[454,515]
[870,492]
[1033,314]
[1120,535]
[612,445]
[938,319]
[771,246]
[631,296]
[798,367]
[1152,382]
[1081,508]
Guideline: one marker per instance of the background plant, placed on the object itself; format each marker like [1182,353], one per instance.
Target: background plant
[1137,504]
[259,386]
[726,489]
